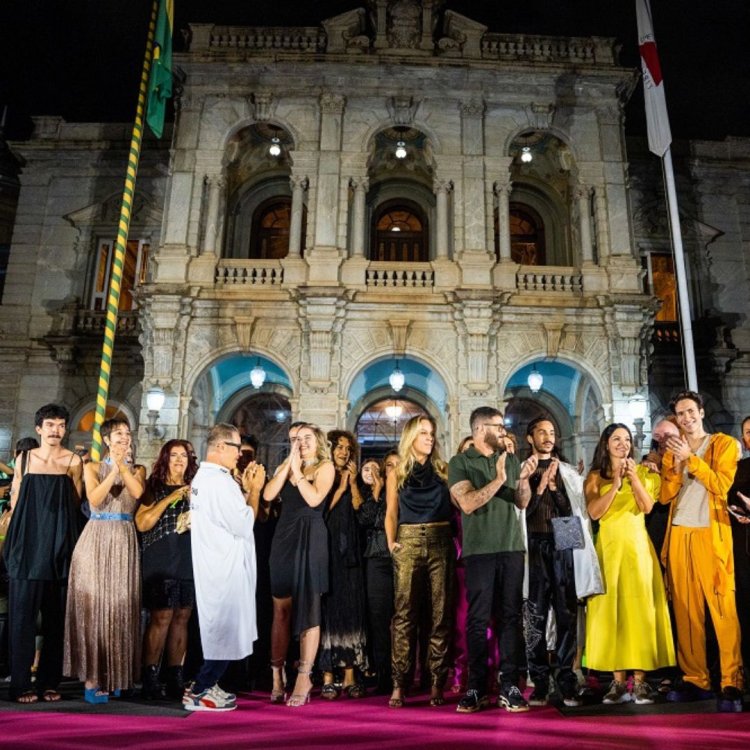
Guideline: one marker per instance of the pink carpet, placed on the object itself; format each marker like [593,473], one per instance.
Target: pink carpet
[369,724]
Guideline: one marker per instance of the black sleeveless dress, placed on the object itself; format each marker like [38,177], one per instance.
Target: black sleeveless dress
[44,529]
[299,558]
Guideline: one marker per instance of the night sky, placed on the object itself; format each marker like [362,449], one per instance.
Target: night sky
[81,59]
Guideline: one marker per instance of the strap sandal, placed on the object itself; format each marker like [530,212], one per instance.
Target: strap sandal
[301,699]
[355,690]
[277,668]
[329,691]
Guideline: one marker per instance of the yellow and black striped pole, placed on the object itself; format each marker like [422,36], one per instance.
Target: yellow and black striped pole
[113,298]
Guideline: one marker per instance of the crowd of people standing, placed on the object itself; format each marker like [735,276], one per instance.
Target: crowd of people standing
[483,574]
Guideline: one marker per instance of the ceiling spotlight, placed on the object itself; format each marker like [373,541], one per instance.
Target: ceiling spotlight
[535,380]
[257,375]
[526,155]
[400,150]
[275,148]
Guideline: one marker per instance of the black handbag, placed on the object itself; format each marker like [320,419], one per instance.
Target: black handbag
[568,533]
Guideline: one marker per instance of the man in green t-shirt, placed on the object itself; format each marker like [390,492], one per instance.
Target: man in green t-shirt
[483,482]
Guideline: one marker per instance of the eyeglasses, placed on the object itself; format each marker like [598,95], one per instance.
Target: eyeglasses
[238,446]
[494,426]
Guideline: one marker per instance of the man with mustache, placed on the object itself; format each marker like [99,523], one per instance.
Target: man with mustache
[557,577]
[45,497]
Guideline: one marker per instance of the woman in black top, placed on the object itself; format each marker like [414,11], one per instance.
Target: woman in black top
[167,566]
[378,572]
[418,530]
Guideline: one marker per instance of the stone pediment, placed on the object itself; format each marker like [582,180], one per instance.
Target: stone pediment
[145,212]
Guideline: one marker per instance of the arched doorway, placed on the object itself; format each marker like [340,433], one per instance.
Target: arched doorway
[379,426]
[266,416]
[567,395]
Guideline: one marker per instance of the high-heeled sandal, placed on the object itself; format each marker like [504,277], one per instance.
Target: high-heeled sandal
[437,698]
[95,695]
[397,702]
[329,691]
[277,668]
[301,699]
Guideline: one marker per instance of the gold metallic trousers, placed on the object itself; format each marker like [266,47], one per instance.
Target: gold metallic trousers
[423,576]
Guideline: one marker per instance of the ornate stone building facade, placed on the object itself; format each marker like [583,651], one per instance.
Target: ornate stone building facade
[398,188]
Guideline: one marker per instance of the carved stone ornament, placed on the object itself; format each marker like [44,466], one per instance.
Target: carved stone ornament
[402,109]
[404,21]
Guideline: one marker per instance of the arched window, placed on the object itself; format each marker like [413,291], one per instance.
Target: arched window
[526,236]
[399,233]
[269,236]
[527,242]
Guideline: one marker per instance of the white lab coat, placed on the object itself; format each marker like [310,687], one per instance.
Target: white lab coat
[224,564]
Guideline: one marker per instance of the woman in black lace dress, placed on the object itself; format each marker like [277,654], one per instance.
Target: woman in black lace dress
[343,639]
[167,568]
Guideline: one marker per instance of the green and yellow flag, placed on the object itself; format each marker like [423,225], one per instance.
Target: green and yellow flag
[160,83]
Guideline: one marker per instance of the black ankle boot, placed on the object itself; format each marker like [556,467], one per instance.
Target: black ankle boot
[152,689]
[175,683]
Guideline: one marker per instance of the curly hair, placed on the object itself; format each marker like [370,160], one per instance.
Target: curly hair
[335,435]
[160,472]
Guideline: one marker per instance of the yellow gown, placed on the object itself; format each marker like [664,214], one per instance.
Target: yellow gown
[628,626]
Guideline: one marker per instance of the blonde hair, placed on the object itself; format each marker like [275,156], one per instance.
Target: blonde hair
[322,446]
[406,459]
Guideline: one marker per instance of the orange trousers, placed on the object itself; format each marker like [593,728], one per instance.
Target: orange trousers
[691,566]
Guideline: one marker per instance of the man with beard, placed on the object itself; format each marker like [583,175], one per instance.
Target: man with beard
[482,481]
[556,491]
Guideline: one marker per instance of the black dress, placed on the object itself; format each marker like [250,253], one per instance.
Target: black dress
[299,558]
[44,530]
[167,557]
[741,540]
[343,637]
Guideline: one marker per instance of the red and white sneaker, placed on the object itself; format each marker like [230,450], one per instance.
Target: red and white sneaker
[212,699]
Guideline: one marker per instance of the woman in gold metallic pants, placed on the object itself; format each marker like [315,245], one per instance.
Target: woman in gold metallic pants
[418,530]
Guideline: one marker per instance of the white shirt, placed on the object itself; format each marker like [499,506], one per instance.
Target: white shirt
[224,567]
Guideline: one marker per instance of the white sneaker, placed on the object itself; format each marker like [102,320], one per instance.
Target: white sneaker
[208,700]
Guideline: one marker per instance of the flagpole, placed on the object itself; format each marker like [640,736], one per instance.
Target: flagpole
[113,298]
[679,264]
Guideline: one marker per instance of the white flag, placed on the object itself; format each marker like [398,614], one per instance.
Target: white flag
[657,120]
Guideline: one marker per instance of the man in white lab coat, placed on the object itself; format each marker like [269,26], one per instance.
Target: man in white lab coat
[222,517]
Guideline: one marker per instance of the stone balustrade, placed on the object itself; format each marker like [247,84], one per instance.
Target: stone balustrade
[549,279]
[550,49]
[305,39]
[233,272]
[400,276]
[92,322]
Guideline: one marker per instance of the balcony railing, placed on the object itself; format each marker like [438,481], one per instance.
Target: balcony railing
[518,47]
[400,276]
[546,279]
[249,273]
[92,322]
[305,39]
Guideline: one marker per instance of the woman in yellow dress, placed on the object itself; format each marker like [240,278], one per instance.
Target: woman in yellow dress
[628,626]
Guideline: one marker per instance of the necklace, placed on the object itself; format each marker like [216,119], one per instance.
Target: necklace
[311,462]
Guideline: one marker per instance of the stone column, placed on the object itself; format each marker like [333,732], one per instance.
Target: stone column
[600,216]
[360,185]
[583,196]
[441,189]
[215,185]
[502,191]
[299,185]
